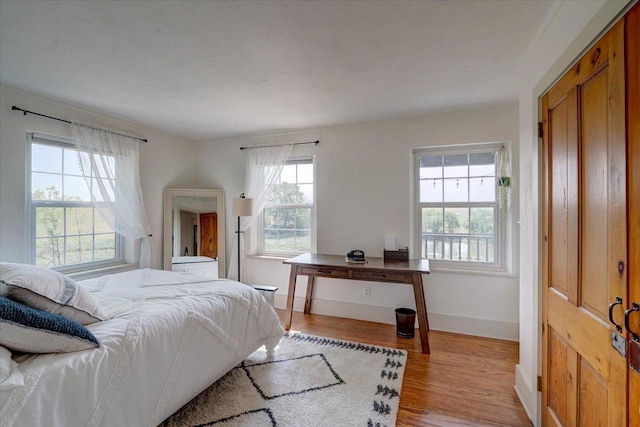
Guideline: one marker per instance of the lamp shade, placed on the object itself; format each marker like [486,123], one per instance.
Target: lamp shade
[242,207]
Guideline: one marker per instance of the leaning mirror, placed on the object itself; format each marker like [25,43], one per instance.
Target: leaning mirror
[194,231]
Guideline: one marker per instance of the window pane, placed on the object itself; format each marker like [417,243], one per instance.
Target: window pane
[76,189]
[79,221]
[50,251]
[456,248]
[486,158]
[435,247]
[102,226]
[455,190]
[45,186]
[430,191]
[99,185]
[271,239]
[482,221]
[287,218]
[303,240]
[432,220]
[286,194]
[287,240]
[456,220]
[303,218]
[105,246]
[430,166]
[270,218]
[482,170]
[45,158]
[49,221]
[75,250]
[305,173]
[288,174]
[455,165]
[71,162]
[306,190]
[482,189]
[105,166]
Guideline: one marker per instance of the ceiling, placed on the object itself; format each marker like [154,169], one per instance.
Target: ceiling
[206,70]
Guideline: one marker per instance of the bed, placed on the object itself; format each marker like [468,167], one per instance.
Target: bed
[169,336]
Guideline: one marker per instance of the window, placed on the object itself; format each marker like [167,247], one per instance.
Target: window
[459,220]
[66,227]
[288,217]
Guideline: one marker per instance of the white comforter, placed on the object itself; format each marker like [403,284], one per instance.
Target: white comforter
[169,336]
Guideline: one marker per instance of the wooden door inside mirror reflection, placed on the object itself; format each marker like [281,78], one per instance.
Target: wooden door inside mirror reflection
[209,234]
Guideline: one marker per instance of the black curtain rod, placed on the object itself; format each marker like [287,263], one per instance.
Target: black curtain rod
[280,145]
[25,112]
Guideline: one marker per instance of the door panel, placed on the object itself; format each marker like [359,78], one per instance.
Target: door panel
[584,223]
[593,106]
[559,213]
[558,377]
[593,396]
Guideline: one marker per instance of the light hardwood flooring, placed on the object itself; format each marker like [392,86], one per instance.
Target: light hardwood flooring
[465,381]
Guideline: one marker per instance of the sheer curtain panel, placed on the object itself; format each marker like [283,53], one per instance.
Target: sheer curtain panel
[110,164]
[264,165]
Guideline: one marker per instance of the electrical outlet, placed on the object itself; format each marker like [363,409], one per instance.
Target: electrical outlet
[367,291]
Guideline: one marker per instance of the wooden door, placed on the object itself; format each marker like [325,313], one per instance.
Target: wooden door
[209,234]
[584,223]
[632,62]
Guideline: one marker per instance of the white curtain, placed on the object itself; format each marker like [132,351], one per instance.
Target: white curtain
[503,182]
[264,165]
[109,162]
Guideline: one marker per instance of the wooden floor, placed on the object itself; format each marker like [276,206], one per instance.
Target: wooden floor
[465,381]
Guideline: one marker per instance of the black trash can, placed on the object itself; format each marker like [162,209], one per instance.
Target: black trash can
[405,322]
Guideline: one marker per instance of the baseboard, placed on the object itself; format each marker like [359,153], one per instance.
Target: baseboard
[437,321]
[528,396]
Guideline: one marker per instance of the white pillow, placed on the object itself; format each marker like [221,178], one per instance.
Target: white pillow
[50,291]
[10,375]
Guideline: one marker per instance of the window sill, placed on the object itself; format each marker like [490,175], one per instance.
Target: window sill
[473,272]
[97,272]
[271,257]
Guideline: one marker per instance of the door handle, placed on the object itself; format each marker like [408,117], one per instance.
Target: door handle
[627,314]
[618,301]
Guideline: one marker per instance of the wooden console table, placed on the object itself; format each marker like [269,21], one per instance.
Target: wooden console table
[375,270]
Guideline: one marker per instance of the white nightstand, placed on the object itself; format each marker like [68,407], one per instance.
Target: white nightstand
[202,265]
[268,292]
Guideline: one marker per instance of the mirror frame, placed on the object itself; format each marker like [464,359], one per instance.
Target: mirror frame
[169,194]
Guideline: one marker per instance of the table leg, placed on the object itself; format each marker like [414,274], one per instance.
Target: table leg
[421,308]
[307,301]
[290,297]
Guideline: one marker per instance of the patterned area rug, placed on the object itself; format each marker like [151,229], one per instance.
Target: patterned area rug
[310,381]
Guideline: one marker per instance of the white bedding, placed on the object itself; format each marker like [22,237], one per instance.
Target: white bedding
[164,344]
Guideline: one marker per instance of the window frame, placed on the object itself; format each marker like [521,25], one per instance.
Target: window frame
[261,251]
[61,142]
[499,220]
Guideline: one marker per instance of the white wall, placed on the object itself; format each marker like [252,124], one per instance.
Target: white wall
[363,194]
[568,30]
[166,161]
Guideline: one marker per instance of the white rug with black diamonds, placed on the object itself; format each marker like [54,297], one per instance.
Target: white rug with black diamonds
[309,381]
